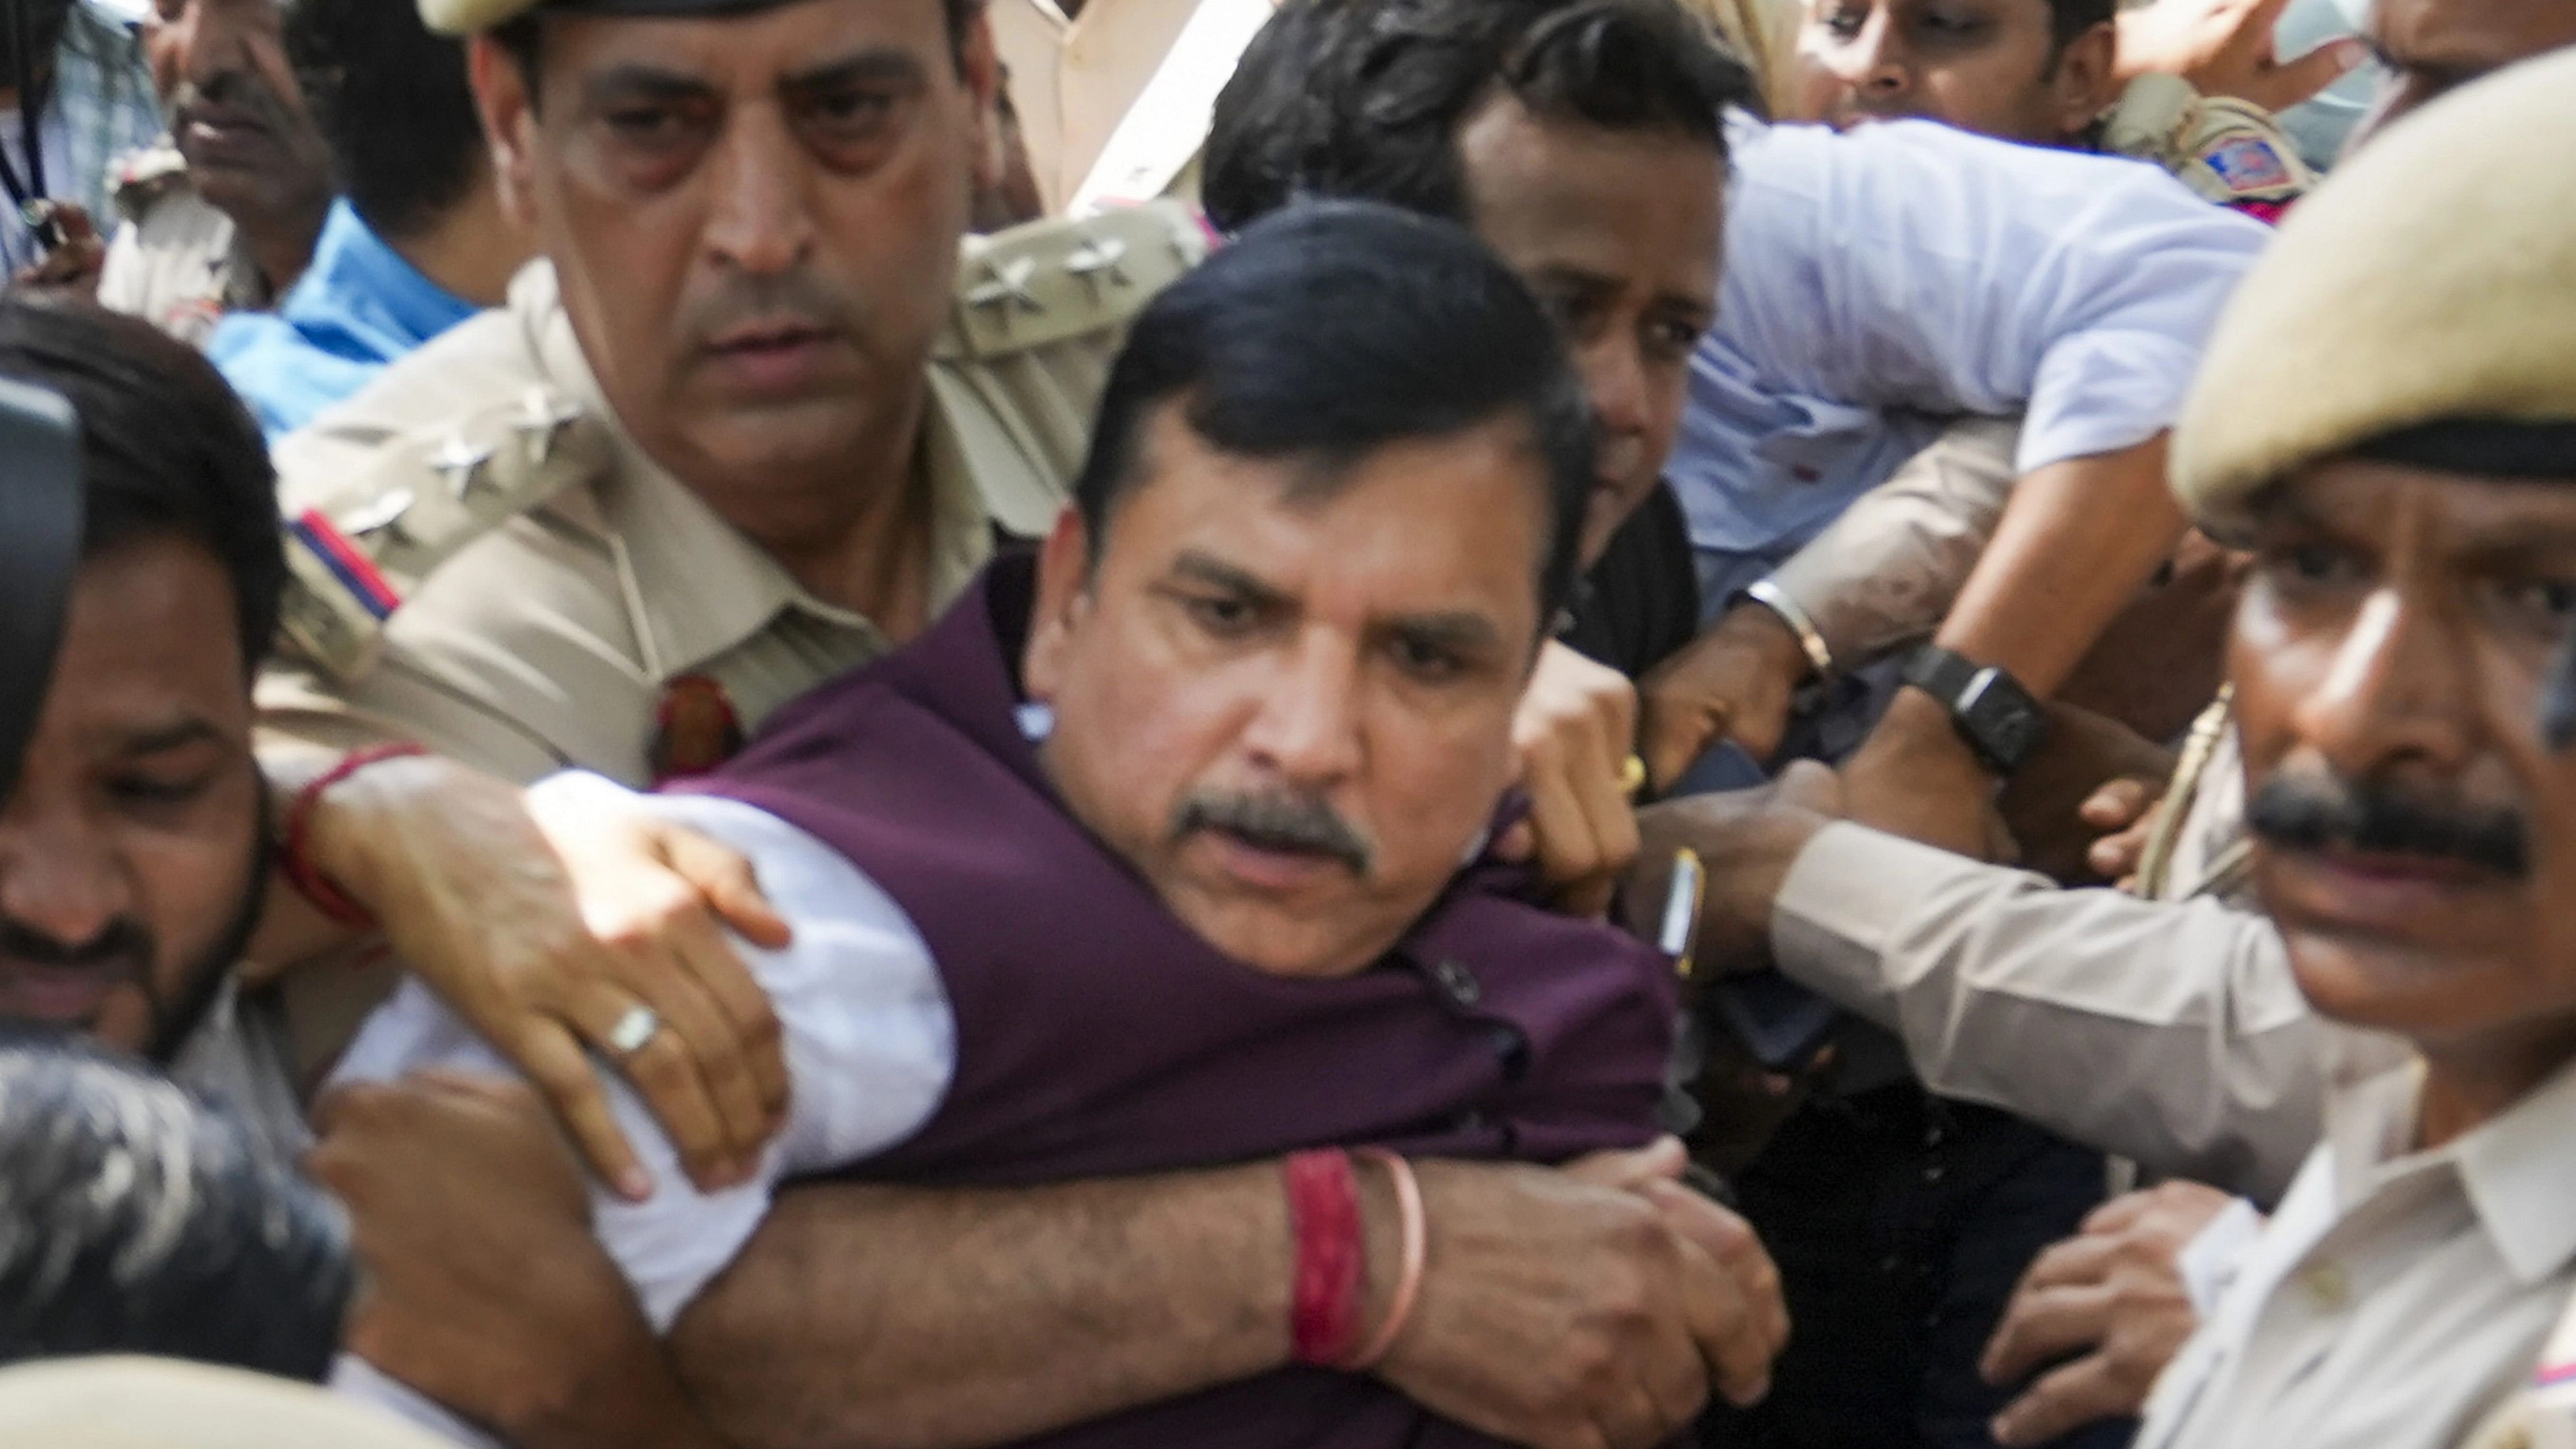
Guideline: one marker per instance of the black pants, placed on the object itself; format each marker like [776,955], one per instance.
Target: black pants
[1901,1223]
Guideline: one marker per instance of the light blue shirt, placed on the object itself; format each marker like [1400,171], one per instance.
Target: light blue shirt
[358,307]
[1882,281]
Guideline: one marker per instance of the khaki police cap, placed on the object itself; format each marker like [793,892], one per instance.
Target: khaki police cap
[148,1403]
[464,17]
[2431,279]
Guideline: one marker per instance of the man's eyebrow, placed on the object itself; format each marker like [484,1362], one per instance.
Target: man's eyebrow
[158,739]
[1700,311]
[1459,633]
[1217,573]
[2281,505]
[873,66]
[1576,279]
[626,84]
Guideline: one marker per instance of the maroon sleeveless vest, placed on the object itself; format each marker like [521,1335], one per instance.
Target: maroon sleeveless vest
[1098,1036]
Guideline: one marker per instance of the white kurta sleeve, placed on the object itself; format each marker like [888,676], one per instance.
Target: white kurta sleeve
[869,1040]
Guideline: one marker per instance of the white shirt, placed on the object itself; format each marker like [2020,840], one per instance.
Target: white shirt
[869,1040]
[2399,1297]
[1882,280]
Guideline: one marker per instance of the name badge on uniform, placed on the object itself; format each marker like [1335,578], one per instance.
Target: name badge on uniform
[695,729]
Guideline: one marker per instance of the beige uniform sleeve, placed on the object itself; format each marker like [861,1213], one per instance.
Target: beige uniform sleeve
[298,705]
[1885,574]
[2171,1034]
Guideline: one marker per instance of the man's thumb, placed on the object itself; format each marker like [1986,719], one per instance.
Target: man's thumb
[1660,1160]
[1675,739]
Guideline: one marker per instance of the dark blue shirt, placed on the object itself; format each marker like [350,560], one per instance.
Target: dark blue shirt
[358,307]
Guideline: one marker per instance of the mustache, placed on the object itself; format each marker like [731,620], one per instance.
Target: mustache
[233,89]
[1278,822]
[747,301]
[125,943]
[2316,812]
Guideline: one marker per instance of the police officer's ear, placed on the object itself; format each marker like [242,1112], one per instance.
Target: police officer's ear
[505,96]
[2086,83]
[979,64]
[1064,597]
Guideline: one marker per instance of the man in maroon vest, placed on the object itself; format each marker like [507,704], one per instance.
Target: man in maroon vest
[1162,852]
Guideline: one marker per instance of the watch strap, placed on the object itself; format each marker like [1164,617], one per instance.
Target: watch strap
[1944,674]
[1965,688]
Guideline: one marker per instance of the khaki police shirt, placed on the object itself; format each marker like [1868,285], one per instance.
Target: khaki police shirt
[2171,1033]
[1114,102]
[2400,1298]
[174,260]
[550,580]
[2229,151]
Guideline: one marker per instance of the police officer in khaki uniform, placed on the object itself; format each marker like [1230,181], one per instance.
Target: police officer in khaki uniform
[2177,1032]
[491,560]
[232,225]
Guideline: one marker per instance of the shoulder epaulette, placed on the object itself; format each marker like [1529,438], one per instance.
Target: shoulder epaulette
[142,176]
[355,556]
[1050,281]
[2229,151]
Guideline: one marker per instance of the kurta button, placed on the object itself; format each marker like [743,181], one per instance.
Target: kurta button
[1457,982]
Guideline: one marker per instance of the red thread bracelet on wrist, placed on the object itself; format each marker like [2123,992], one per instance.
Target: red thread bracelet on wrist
[296,864]
[1324,1216]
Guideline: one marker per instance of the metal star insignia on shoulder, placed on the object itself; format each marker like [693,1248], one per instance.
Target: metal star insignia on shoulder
[1006,285]
[461,464]
[541,422]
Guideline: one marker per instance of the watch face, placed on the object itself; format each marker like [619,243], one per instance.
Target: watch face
[2001,720]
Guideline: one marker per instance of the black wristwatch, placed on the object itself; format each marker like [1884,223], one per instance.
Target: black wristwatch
[1993,713]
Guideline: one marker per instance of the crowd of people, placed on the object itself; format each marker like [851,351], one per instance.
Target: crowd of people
[1581,723]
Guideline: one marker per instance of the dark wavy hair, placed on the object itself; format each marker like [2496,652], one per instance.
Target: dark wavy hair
[1365,98]
[392,101]
[166,448]
[1332,329]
